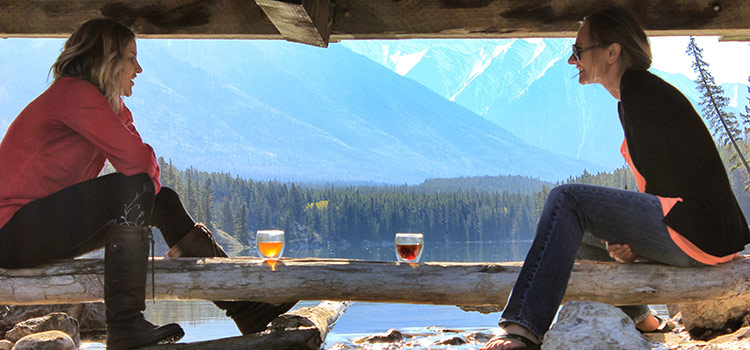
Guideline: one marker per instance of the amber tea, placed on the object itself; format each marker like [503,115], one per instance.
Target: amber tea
[409,247]
[270,244]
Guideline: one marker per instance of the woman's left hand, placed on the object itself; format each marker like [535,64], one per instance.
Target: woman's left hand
[621,252]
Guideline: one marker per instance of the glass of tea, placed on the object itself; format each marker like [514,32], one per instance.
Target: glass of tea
[270,244]
[409,247]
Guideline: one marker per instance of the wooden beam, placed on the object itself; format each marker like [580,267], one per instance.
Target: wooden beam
[369,19]
[302,21]
[441,283]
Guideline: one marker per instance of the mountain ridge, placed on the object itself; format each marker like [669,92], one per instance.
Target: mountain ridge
[277,110]
[524,84]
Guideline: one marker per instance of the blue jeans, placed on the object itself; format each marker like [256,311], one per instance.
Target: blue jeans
[616,216]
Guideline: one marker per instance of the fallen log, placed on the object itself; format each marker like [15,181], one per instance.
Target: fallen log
[301,329]
[441,283]
[257,341]
[322,318]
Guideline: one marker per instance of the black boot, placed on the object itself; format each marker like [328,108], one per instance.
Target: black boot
[125,265]
[250,316]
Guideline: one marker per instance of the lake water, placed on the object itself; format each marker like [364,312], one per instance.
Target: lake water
[203,321]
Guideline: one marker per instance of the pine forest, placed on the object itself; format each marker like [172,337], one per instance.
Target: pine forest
[471,209]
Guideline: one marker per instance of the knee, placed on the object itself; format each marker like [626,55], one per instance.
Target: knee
[567,194]
[560,192]
[168,194]
[138,183]
[168,197]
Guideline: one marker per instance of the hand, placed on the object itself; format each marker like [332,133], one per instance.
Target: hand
[621,252]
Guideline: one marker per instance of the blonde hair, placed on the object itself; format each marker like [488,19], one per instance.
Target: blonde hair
[617,25]
[95,52]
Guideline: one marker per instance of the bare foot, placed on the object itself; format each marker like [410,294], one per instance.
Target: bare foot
[498,343]
[649,324]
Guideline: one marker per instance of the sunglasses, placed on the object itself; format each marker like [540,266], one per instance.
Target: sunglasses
[577,50]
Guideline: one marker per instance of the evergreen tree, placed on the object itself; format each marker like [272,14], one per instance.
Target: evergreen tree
[227,215]
[240,228]
[726,127]
[206,204]
[733,157]
[191,200]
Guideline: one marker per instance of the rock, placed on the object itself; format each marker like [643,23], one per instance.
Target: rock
[717,316]
[345,347]
[5,344]
[740,335]
[391,336]
[481,309]
[593,326]
[479,337]
[49,340]
[451,341]
[438,329]
[90,316]
[56,321]
[671,337]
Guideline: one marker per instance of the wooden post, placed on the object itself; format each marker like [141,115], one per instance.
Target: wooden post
[303,21]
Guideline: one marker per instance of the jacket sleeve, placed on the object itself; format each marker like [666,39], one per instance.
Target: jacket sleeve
[85,110]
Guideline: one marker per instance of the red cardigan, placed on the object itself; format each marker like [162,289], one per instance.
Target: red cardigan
[62,138]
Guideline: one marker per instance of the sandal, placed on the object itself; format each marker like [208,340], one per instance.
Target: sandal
[664,326]
[529,345]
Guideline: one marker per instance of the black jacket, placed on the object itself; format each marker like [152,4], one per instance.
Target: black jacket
[673,150]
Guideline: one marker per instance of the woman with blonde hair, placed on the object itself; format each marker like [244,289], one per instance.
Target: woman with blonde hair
[53,205]
[684,213]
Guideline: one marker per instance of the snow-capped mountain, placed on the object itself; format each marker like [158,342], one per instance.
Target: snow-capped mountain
[525,86]
[273,109]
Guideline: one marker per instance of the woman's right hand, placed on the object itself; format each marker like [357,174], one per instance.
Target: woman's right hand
[621,252]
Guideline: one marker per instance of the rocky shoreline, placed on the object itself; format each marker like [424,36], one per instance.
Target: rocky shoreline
[443,338]
[580,326]
[577,325]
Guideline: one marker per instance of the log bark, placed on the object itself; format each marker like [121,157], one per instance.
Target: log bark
[302,329]
[322,318]
[441,283]
[370,19]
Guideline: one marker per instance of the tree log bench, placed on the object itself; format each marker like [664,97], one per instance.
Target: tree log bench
[440,283]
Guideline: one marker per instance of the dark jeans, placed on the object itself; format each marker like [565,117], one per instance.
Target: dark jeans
[616,216]
[592,248]
[69,223]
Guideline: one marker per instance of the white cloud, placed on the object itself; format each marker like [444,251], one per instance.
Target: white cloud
[729,62]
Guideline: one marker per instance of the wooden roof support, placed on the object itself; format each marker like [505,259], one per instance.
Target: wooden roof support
[302,21]
[371,19]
